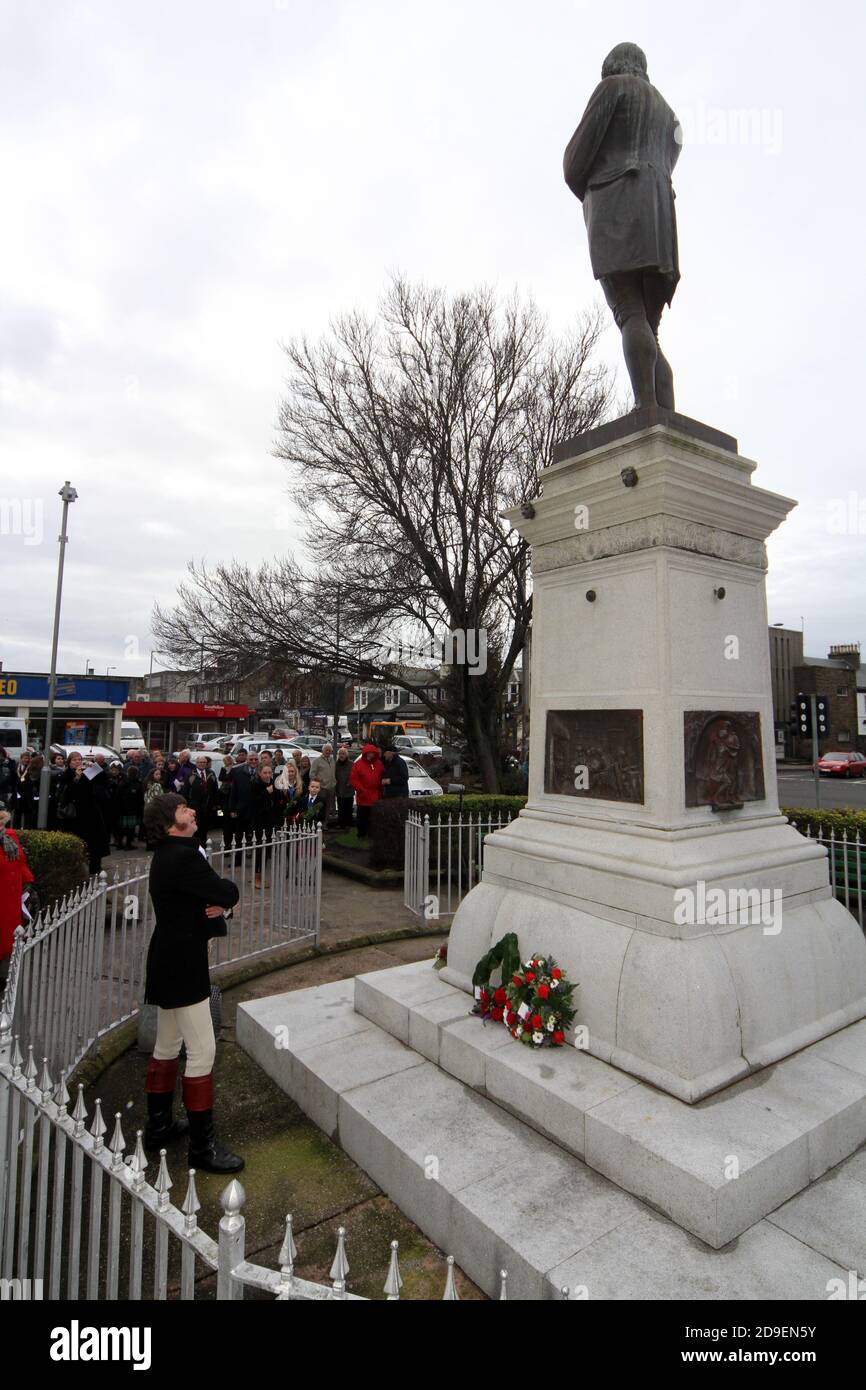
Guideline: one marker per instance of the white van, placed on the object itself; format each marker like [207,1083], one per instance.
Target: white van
[13,737]
[131,736]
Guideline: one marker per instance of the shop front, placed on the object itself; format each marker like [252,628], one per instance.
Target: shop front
[87,709]
[171,725]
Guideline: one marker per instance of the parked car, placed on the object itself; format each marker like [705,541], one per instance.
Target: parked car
[420,781]
[310,742]
[842,765]
[417,746]
[256,743]
[206,736]
[87,750]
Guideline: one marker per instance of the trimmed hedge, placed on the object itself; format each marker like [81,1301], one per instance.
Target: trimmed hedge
[852,822]
[57,861]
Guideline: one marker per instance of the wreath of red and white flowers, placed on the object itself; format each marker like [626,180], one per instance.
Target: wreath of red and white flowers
[538,1003]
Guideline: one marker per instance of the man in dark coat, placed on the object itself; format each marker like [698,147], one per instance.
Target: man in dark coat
[189,899]
[619,164]
[202,794]
[395,774]
[239,804]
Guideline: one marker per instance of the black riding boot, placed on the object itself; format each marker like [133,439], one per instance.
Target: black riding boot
[161,1127]
[206,1153]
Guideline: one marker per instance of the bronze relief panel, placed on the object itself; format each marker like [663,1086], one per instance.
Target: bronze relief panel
[724,764]
[595,753]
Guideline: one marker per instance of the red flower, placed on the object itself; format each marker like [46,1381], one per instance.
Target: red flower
[518,979]
[511,1018]
[484,997]
[543,991]
[556,973]
[496,1015]
[500,996]
[558,1037]
[537,1021]
[530,976]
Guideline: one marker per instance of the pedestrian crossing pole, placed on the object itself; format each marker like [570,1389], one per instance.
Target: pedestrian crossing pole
[68,494]
[816,751]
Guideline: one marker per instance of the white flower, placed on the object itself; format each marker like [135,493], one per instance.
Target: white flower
[528,964]
[519,1033]
[538,1039]
[554,984]
[551,1023]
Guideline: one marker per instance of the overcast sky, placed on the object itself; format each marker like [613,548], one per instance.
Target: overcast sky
[188,183]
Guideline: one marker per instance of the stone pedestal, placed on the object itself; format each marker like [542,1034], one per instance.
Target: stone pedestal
[651,700]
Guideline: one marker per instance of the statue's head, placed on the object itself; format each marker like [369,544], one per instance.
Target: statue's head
[625,60]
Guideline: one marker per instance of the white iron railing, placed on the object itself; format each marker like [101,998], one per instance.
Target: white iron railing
[847,861]
[73,1208]
[443,860]
[77,971]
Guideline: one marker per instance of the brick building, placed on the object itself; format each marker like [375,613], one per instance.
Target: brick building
[842,678]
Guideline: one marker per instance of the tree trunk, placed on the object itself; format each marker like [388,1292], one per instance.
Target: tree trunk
[483,734]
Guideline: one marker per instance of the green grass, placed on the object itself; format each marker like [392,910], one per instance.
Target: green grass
[349,839]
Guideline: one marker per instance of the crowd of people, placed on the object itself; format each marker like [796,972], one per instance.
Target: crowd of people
[253,795]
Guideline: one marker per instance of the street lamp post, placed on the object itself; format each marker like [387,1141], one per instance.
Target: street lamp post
[68,494]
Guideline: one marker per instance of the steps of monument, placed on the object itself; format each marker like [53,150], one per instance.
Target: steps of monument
[491,1188]
[715,1167]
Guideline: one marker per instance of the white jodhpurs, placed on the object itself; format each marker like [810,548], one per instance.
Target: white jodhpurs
[193,1026]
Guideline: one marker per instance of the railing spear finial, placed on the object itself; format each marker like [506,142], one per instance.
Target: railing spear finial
[191,1205]
[450,1295]
[163,1184]
[288,1254]
[138,1162]
[79,1114]
[98,1128]
[340,1267]
[394,1281]
[118,1143]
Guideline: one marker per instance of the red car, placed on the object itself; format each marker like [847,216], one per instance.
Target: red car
[842,765]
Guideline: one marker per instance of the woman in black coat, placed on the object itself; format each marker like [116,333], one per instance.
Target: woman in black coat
[78,812]
[189,899]
[129,806]
[28,793]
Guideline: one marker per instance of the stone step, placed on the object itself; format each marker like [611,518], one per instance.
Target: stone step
[485,1186]
[715,1168]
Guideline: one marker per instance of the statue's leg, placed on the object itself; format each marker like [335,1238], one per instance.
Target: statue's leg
[641,355]
[655,297]
[664,381]
[625,295]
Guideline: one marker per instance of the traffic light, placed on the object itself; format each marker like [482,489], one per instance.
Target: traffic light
[822,712]
[801,716]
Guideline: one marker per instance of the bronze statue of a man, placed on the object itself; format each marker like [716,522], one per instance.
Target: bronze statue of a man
[619,163]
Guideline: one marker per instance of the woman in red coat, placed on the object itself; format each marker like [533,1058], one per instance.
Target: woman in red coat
[366,778]
[14,876]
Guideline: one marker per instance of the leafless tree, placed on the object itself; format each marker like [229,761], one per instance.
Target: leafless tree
[406,438]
